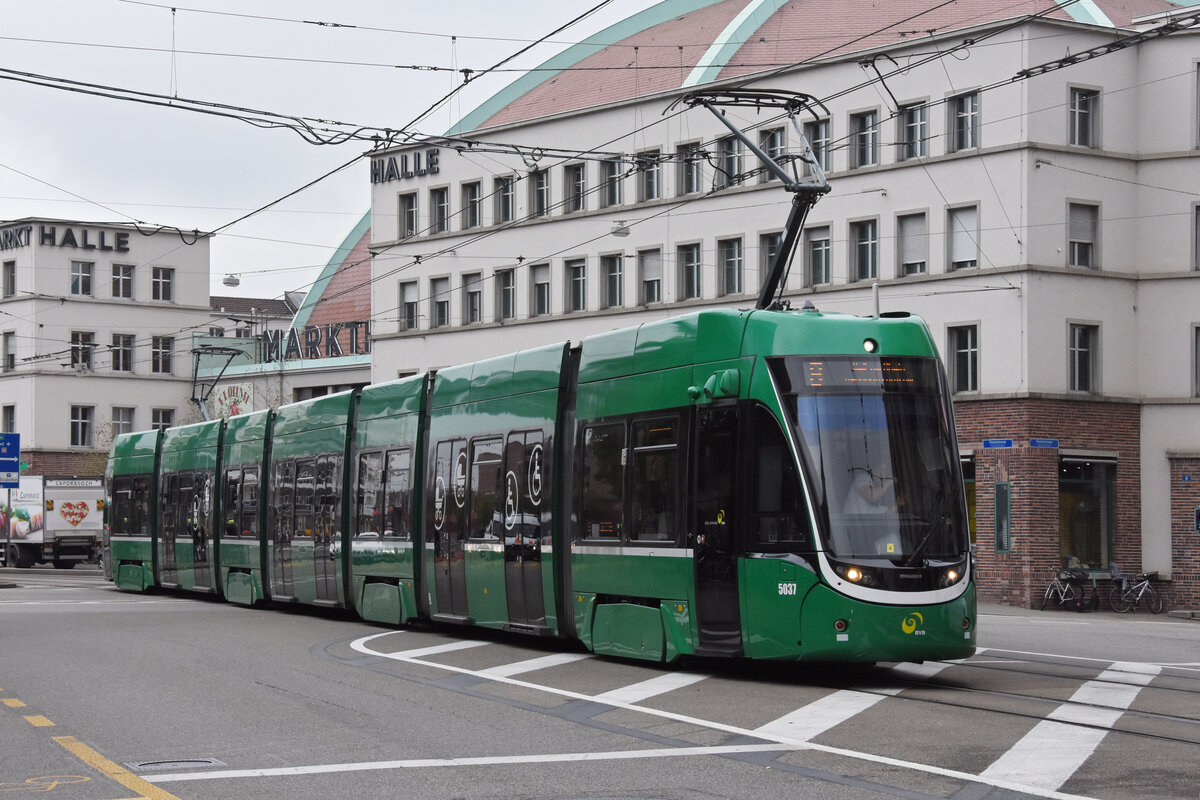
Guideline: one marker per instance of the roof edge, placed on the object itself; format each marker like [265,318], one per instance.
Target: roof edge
[548,69]
[335,262]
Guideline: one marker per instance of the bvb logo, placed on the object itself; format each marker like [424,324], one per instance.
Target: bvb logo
[912,622]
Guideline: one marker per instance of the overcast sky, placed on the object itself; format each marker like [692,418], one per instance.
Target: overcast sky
[72,156]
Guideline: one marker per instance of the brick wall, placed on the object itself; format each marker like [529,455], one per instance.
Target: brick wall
[84,465]
[1020,575]
[1185,540]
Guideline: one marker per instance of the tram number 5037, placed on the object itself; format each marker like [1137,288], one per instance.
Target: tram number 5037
[787,589]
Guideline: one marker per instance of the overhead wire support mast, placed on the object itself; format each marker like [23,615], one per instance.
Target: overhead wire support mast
[805,193]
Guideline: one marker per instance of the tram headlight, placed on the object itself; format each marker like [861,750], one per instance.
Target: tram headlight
[949,578]
[854,574]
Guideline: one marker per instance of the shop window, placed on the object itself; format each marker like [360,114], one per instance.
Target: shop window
[1086,510]
[1003,500]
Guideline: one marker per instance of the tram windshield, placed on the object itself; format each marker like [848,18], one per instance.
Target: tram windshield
[875,436]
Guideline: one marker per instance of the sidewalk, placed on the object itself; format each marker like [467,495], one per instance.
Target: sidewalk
[1017,611]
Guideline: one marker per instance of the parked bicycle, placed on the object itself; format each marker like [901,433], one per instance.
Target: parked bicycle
[1127,593]
[1065,590]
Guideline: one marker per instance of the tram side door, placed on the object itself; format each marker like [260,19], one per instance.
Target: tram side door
[282,511]
[450,527]
[714,528]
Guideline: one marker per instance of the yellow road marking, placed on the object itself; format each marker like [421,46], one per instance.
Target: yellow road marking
[38,721]
[12,702]
[87,755]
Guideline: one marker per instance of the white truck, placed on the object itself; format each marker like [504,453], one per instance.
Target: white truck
[55,521]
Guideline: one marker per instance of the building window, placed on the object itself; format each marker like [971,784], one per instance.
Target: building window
[612,179]
[472,298]
[864,130]
[963,345]
[1087,515]
[82,345]
[410,296]
[575,187]
[864,239]
[504,192]
[8,354]
[439,210]
[161,418]
[1002,494]
[81,278]
[539,193]
[122,281]
[649,175]
[768,248]
[912,249]
[690,157]
[540,289]
[439,302]
[729,156]
[613,269]
[409,224]
[81,426]
[729,260]
[162,284]
[576,284]
[774,143]
[1083,354]
[122,420]
[1083,117]
[964,237]
[817,252]
[964,121]
[472,205]
[216,331]
[688,256]
[506,294]
[8,420]
[161,348]
[817,133]
[10,278]
[122,352]
[650,269]
[914,131]
[1081,235]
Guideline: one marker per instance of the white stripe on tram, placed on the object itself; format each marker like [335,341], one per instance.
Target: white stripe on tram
[1059,745]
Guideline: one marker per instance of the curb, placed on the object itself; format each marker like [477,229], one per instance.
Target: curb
[1195,615]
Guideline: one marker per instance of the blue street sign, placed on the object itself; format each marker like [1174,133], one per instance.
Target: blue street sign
[997,443]
[10,460]
[1053,443]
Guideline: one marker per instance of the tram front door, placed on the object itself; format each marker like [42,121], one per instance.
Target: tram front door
[713,528]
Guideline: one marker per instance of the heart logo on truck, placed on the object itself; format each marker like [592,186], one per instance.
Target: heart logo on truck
[74,512]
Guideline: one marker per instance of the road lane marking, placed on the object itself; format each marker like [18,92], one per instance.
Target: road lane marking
[1055,749]
[38,721]
[87,755]
[442,763]
[12,702]
[644,690]
[810,721]
[533,664]
[436,649]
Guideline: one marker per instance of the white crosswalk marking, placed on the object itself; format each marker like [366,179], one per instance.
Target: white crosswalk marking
[1058,746]
[637,692]
[819,716]
[450,647]
[532,664]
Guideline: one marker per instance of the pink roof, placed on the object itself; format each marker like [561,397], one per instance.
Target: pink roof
[664,55]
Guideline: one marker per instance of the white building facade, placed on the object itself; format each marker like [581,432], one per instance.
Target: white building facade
[1040,214]
[95,336]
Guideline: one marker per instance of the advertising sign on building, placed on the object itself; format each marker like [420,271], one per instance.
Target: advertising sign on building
[234,399]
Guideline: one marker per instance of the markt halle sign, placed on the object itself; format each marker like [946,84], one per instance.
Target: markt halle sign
[318,341]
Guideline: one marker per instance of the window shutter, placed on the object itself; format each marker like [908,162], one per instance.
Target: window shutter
[1082,223]
[912,239]
[963,225]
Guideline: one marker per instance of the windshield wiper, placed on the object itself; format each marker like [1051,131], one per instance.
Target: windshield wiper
[940,507]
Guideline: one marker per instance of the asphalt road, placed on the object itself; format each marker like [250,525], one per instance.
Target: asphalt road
[106,695]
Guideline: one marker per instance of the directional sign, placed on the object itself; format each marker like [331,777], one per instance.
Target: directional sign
[10,460]
[997,443]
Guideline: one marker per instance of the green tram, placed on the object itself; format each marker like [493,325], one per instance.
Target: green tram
[767,484]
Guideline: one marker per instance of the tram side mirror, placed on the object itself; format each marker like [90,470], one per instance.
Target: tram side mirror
[726,383]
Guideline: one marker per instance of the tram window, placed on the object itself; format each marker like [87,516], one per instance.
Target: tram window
[523,487]
[370,479]
[249,508]
[603,480]
[184,497]
[131,506]
[487,490]
[284,492]
[328,495]
[170,495]
[306,487]
[231,502]
[780,515]
[201,503]
[655,492]
[396,494]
